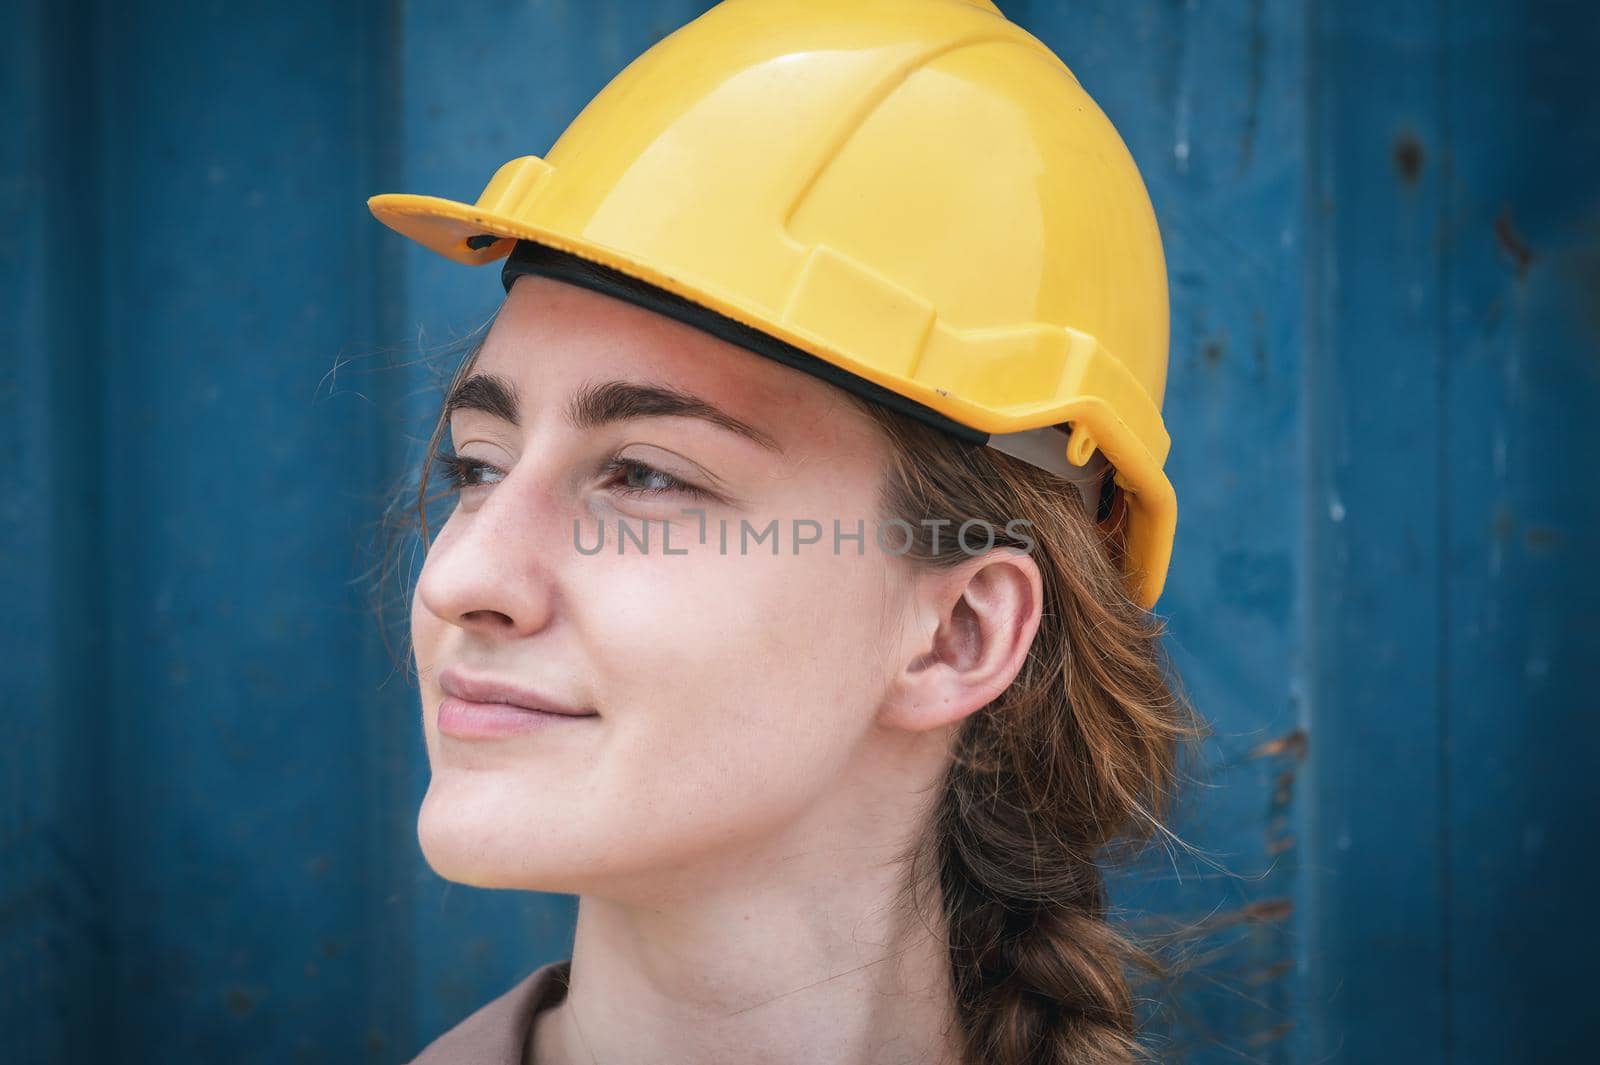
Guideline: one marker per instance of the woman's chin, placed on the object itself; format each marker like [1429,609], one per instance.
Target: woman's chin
[479,844]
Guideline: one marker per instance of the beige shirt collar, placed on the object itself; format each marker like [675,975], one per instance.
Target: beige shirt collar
[497,1034]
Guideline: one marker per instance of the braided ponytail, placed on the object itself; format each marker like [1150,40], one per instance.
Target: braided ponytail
[1074,765]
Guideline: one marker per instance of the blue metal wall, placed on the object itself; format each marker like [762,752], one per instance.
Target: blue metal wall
[1383,230]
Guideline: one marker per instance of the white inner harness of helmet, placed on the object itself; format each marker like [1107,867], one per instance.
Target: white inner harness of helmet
[1047,448]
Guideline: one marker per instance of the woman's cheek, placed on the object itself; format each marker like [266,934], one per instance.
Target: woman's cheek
[757,665]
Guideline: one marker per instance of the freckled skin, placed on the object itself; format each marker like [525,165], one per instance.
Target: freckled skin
[733,690]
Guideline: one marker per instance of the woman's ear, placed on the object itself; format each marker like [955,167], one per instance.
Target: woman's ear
[970,632]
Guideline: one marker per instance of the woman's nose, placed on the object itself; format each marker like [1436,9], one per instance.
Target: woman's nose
[490,569]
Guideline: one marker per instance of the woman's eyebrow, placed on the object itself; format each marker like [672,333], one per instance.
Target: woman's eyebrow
[601,403]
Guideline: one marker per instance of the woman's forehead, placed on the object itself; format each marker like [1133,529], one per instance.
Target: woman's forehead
[552,338]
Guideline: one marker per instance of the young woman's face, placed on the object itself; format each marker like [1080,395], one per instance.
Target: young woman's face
[731,688]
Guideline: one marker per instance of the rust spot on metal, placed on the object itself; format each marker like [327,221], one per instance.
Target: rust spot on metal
[1262,911]
[1408,157]
[1541,538]
[1211,351]
[1504,525]
[1284,789]
[1271,1035]
[1279,835]
[1293,743]
[240,1001]
[1277,909]
[1268,973]
[1511,242]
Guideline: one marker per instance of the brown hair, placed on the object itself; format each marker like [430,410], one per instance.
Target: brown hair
[1075,766]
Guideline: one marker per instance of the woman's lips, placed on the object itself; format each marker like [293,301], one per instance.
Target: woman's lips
[488,707]
[475,721]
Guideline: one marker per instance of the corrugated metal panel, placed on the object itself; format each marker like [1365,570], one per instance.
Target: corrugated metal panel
[1382,227]
[1453,586]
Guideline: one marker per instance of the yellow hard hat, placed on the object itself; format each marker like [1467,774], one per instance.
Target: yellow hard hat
[917,193]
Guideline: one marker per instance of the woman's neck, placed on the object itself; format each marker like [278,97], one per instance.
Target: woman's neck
[800,955]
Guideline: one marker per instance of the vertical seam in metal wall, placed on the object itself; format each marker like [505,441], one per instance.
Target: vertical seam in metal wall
[82,615]
[1442,354]
[102,68]
[387,933]
[1314,1040]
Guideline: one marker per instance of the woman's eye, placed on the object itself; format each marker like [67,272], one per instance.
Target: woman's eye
[629,476]
[461,472]
[638,479]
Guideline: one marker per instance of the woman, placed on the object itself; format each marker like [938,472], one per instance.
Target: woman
[788,613]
